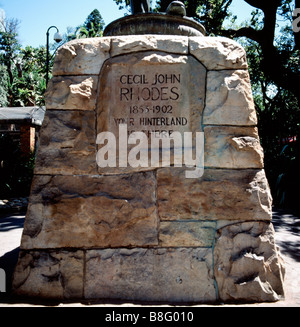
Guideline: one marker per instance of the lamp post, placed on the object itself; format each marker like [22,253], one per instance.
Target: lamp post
[57,38]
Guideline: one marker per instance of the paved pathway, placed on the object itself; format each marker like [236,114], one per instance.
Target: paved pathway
[287,226]
[11,227]
[287,237]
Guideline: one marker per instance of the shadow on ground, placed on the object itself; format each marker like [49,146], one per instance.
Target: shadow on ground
[9,223]
[287,226]
[8,263]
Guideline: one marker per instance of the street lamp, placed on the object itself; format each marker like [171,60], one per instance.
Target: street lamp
[57,38]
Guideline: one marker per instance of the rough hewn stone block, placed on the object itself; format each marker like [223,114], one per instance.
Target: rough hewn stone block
[67,143]
[83,211]
[81,57]
[134,43]
[232,147]
[72,92]
[217,53]
[234,104]
[185,233]
[247,263]
[50,274]
[218,194]
[177,275]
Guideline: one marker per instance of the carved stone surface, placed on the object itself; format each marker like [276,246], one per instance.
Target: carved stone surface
[149,233]
[50,274]
[176,8]
[142,88]
[189,234]
[247,263]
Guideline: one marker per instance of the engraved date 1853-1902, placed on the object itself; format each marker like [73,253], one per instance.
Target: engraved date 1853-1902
[165,109]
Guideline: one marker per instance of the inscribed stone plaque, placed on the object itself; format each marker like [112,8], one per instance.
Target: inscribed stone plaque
[150,92]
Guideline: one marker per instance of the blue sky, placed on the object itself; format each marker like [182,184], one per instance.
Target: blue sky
[36,15]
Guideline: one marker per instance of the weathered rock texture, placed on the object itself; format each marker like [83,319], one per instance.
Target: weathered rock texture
[150,234]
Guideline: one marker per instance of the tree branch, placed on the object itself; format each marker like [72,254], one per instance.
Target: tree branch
[271,63]
[227,4]
[249,32]
[263,4]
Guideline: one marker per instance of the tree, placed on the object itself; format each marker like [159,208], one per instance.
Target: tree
[272,64]
[274,61]
[278,123]
[92,27]
[9,49]
[95,22]
[31,85]
[22,70]
[123,3]
[211,13]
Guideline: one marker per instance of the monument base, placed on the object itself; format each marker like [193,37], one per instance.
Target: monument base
[139,233]
[226,270]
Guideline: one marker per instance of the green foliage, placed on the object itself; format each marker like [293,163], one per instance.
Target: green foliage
[278,116]
[3,86]
[211,13]
[9,44]
[22,70]
[9,48]
[29,86]
[93,27]
[94,22]
[84,32]
[122,3]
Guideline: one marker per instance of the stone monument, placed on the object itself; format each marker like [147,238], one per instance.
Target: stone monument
[107,221]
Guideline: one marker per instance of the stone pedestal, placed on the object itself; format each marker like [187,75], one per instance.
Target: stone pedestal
[150,233]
